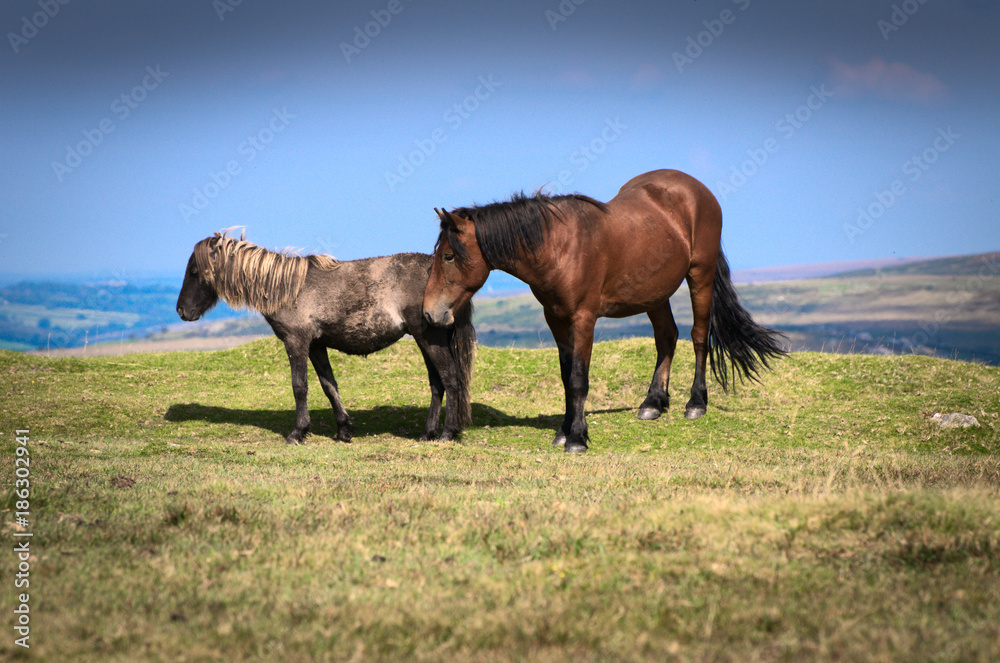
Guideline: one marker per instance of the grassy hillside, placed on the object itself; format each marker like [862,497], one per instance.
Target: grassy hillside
[820,515]
[946,308]
[983,265]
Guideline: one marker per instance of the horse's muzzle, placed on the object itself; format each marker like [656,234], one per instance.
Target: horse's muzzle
[185,316]
[441,318]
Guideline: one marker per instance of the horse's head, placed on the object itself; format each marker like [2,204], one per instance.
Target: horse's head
[197,293]
[458,270]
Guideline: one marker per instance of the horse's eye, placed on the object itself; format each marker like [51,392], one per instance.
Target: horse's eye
[449,257]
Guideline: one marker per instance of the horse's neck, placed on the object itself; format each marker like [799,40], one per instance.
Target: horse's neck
[529,269]
[263,292]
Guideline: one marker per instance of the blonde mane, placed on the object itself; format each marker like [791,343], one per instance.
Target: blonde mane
[247,276]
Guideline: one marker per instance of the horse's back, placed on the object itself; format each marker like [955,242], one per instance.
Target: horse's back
[672,189]
[365,305]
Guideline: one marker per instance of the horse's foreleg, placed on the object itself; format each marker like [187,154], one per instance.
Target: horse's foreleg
[321,362]
[575,343]
[300,389]
[665,333]
[443,374]
[701,304]
[437,393]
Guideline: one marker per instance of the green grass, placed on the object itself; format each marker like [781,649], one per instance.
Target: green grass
[818,516]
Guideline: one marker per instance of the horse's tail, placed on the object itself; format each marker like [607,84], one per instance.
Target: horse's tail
[462,343]
[736,343]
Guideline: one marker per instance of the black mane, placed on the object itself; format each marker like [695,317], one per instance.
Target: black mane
[506,229]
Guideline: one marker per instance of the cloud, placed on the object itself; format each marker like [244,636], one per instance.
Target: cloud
[647,76]
[895,81]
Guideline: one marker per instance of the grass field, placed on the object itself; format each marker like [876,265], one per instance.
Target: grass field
[819,516]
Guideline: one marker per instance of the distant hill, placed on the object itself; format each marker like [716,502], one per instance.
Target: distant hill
[796,272]
[947,307]
[39,315]
[982,265]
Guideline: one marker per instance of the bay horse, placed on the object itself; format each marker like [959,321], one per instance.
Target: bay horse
[358,307]
[584,259]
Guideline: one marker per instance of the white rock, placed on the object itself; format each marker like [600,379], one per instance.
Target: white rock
[955,420]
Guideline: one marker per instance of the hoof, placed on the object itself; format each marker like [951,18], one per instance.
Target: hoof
[345,433]
[575,448]
[448,436]
[648,413]
[560,439]
[694,413]
[293,440]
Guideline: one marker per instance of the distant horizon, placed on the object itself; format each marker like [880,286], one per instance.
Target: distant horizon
[498,280]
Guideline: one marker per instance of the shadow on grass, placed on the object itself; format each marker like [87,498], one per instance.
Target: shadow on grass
[401,421]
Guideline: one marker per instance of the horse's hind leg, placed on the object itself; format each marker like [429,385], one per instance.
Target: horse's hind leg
[700,284]
[665,334]
[321,362]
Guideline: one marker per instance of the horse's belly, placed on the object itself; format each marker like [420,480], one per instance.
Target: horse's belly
[364,335]
[637,293]
[624,310]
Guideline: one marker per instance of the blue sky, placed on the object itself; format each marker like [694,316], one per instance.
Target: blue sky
[829,131]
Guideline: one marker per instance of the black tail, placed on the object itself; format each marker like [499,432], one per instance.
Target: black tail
[462,342]
[737,344]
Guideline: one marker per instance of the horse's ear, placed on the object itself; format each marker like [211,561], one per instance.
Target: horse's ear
[449,220]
